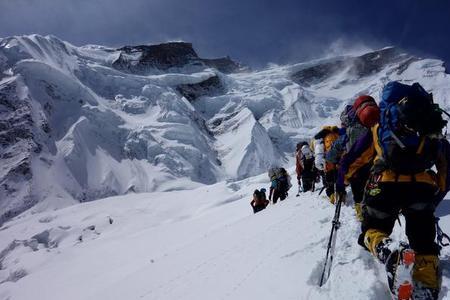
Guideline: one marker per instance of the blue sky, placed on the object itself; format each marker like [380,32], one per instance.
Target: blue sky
[254,32]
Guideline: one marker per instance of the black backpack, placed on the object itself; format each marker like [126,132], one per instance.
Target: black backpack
[308,166]
[283,184]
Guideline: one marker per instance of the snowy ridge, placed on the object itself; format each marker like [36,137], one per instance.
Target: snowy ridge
[76,125]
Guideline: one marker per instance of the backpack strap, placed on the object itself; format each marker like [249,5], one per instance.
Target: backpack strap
[397,140]
[421,145]
[376,140]
[418,152]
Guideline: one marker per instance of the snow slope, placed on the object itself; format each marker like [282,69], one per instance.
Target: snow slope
[203,243]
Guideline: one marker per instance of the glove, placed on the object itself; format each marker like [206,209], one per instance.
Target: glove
[340,192]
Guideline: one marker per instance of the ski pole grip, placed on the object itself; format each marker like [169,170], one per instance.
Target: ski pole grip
[441,240]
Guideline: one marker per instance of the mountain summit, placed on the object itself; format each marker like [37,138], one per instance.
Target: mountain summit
[147,58]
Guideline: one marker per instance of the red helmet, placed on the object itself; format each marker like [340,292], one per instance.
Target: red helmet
[361,100]
[367,110]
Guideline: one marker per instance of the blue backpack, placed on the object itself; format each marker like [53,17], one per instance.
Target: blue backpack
[408,121]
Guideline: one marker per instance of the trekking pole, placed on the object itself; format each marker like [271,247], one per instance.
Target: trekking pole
[314,186]
[337,225]
[448,115]
[331,243]
[441,236]
[299,188]
[321,190]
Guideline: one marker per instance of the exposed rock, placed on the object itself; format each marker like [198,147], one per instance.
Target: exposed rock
[135,105]
[373,62]
[317,73]
[354,67]
[404,65]
[216,122]
[225,64]
[139,59]
[142,59]
[16,148]
[209,87]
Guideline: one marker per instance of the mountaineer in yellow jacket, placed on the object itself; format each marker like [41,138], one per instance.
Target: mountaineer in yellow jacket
[322,143]
[357,120]
[404,147]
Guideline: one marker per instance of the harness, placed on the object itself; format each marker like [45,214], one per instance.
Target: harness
[388,175]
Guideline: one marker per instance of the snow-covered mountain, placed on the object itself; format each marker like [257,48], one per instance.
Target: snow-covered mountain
[83,123]
[190,135]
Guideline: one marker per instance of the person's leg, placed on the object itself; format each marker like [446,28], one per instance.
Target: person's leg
[380,210]
[310,182]
[358,187]
[375,232]
[306,184]
[330,179]
[276,196]
[299,181]
[358,183]
[258,208]
[421,232]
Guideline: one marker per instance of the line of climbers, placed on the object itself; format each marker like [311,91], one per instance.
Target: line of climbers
[280,183]
[396,160]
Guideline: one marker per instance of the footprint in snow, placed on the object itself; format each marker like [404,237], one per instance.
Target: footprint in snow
[325,220]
